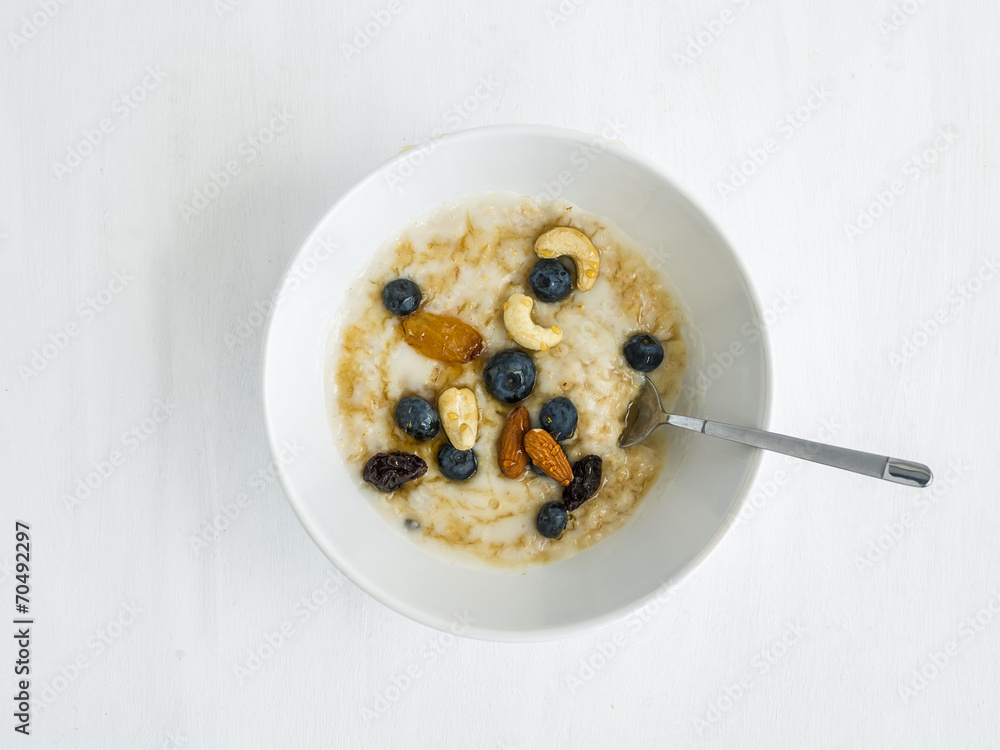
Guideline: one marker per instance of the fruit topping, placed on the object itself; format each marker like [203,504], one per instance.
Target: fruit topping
[456,464]
[551,520]
[586,482]
[550,281]
[390,471]
[510,376]
[401,297]
[417,418]
[442,337]
[643,352]
[558,418]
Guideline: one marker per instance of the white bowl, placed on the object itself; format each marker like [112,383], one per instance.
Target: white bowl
[679,520]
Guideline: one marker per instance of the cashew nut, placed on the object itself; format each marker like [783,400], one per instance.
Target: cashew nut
[575,244]
[521,328]
[460,416]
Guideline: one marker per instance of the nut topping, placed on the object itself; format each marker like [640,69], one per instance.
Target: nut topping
[521,328]
[548,456]
[510,450]
[460,417]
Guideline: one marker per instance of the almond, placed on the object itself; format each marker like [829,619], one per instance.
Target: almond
[510,450]
[548,456]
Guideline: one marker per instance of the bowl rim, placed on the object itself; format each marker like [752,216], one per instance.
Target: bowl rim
[580,627]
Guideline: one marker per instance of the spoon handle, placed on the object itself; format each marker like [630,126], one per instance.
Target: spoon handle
[881,467]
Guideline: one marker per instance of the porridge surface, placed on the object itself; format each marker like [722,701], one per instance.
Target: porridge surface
[467,258]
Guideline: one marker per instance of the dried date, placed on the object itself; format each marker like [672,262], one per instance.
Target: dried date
[586,482]
[390,471]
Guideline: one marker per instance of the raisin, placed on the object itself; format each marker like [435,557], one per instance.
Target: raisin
[442,337]
[390,471]
[586,482]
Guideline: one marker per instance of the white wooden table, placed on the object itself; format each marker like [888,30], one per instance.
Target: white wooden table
[159,167]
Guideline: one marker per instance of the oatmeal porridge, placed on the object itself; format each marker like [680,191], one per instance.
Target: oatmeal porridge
[481,371]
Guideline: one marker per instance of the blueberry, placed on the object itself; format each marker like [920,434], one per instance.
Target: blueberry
[550,281]
[558,418]
[456,464]
[551,521]
[643,352]
[510,376]
[401,297]
[417,418]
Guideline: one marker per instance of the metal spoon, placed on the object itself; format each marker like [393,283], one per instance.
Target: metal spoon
[646,413]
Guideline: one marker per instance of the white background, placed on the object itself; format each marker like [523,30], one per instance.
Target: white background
[806,627]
